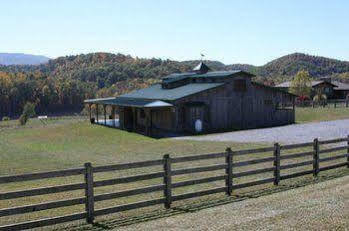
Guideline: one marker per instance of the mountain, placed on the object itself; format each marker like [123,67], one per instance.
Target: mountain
[289,65]
[107,69]
[317,66]
[21,59]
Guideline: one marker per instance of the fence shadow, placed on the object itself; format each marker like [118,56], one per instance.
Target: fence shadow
[197,205]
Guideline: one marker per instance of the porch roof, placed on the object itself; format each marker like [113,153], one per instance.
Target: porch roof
[129,102]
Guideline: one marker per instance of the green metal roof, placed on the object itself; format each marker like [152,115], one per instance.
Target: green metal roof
[212,74]
[151,95]
[158,93]
[131,102]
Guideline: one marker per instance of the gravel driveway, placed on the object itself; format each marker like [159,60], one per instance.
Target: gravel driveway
[295,133]
[321,206]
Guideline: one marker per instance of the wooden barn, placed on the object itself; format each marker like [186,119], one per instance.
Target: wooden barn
[201,101]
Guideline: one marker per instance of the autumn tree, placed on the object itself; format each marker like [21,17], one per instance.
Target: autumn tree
[301,84]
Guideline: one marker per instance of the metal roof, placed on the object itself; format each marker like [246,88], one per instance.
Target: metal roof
[212,74]
[156,92]
[98,99]
[158,103]
[131,102]
[341,86]
[313,83]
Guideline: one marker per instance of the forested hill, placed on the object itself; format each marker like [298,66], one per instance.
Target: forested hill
[288,65]
[21,59]
[317,66]
[63,83]
[115,67]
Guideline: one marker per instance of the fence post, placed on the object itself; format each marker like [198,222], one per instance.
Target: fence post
[335,104]
[89,204]
[229,171]
[167,181]
[316,148]
[346,103]
[276,164]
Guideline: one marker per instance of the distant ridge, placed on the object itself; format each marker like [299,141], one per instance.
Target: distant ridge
[22,59]
[109,68]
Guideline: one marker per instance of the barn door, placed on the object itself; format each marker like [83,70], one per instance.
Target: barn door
[192,114]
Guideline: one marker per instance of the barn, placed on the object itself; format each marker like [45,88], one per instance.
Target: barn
[200,101]
[331,88]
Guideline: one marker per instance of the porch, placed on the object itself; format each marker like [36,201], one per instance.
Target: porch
[151,118]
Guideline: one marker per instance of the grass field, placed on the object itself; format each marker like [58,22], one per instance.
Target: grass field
[309,114]
[71,141]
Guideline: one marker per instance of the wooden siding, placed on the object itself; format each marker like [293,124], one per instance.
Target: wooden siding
[228,109]
[162,118]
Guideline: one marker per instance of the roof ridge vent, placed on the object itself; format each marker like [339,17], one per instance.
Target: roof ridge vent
[201,68]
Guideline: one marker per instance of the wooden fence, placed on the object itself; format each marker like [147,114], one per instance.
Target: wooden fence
[334,103]
[228,164]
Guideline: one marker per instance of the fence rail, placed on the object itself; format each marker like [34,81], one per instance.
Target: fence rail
[229,166]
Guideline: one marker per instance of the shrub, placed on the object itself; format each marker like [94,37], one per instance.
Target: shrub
[5,118]
[28,111]
[23,119]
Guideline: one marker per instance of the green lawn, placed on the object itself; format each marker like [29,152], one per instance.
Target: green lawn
[70,142]
[309,114]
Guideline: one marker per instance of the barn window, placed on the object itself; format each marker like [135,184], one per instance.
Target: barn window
[240,85]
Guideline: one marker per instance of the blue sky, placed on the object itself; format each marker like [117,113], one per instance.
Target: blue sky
[253,32]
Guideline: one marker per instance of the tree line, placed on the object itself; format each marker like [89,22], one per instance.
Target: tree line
[62,84]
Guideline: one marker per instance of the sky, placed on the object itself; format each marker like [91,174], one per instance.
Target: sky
[230,31]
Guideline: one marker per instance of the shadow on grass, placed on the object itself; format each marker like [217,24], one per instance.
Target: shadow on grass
[190,207]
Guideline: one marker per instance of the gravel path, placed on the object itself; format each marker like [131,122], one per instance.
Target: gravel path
[296,133]
[322,206]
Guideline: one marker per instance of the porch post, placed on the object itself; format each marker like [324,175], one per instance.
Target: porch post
[89,108]
[105,114]
[147,121]
[113,115]
[97,112]
[293,103]
[121,118]
[151,122]
[176,118]
[134,118]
